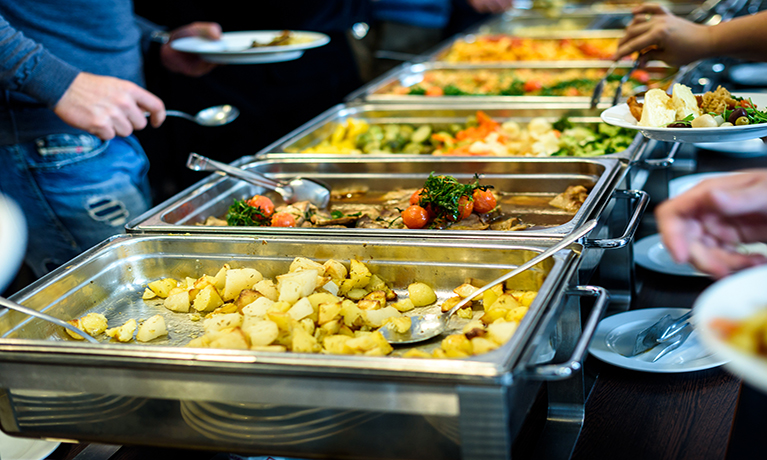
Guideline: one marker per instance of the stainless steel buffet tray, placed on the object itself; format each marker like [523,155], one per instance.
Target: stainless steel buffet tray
[322,126]
[531,182]
[380,90]
[292,404]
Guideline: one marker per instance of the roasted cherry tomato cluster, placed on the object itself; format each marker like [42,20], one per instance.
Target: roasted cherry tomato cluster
[258,211]
[443,199]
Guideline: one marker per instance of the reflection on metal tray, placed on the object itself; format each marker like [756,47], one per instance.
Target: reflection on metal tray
[526,185]
[323,126]
[386,89]
[180,391]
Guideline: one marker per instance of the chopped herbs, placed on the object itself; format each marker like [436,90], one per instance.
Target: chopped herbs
[243,215]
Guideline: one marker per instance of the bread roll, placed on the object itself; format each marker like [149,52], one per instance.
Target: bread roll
[658,109]
[684,102]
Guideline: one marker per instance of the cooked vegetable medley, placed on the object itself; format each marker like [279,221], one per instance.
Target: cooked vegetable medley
[518,82]
[480,135]
[502,47]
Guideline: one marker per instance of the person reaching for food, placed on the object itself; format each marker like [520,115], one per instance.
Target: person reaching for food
[71,96]
[705,225]
[677,41]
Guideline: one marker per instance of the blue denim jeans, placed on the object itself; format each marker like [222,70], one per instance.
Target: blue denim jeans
[75,191]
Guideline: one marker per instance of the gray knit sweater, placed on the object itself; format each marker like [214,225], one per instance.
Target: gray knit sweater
[44,44]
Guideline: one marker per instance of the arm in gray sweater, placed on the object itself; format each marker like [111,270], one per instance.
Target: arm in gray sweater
[27,67]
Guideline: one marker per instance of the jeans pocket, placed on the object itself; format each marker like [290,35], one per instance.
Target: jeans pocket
[57,150]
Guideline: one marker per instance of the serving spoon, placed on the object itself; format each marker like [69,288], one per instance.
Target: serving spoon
[212,116]
[11,305]
[425,327]
[297,189]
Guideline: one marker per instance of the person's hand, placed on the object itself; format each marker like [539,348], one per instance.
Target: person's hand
[671,39]
[490,6]
[107,107]
[186,63]
[704,225]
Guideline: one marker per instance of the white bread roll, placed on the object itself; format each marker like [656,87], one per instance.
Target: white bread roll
[658,109]
[684,102]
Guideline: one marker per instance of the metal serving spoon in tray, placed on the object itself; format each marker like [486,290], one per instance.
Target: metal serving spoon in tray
[426,327]
[212,116]
[32,312]
[298,189]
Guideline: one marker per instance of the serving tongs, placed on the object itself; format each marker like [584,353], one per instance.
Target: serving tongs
[596,96]
[673,331]
[624,79]
[296,189]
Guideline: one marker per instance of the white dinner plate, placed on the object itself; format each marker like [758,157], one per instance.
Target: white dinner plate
[620,115]
[12,448]
[750,148]
[681,184]
[615,337]
[650,253]
[13,240]
[735,297]
[235,47]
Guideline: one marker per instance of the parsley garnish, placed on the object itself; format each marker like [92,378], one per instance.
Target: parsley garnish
[243,215]
[444,192]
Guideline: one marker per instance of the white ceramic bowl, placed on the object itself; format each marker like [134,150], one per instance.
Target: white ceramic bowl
[735,297]
[13,240]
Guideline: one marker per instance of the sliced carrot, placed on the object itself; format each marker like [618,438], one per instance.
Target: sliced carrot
[725,327]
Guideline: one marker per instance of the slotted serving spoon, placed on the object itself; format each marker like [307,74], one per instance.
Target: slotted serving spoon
[298,189]
[32,312]
[426,327]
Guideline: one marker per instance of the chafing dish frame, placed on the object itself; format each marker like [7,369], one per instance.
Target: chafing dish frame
[465,389]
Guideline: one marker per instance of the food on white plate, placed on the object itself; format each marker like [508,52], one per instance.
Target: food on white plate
[684,110]
[331,308]
[284,38]
[658,109]
[684,101]
[748,335]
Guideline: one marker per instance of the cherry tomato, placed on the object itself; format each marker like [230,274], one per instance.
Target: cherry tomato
[263,203]
[415,217]
[746,104]
[642,76]
[283,219]
[465,207]
[532,85]
[435,91]
[484,201]
[415,198]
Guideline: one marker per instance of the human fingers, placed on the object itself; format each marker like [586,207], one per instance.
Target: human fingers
[210,30]
[642,37]
[147,102]
[721,261]
[676,229]
[749,197]
[650,8]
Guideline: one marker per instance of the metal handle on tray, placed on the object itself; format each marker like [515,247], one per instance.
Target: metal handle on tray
[643,199]
[574,363]
[200,163]
[660,163]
